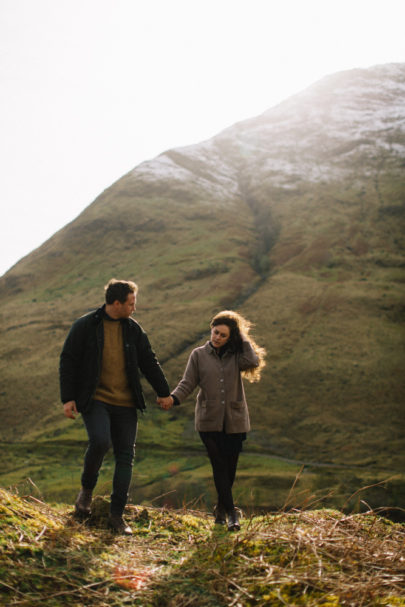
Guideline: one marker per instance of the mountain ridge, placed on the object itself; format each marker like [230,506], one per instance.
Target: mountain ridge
[164,165]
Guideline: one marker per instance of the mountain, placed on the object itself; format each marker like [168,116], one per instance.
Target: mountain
[295,218]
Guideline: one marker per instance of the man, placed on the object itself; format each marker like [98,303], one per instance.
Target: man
[99,378]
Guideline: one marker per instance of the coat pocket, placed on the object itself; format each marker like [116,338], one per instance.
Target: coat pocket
[208,410]
[239,412]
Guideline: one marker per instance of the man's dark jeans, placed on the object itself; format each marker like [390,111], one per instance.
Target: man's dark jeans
[106,425]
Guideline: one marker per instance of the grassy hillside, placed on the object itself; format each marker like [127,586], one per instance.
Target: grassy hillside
[329,309]
[183,273]
[317,264]
[333,312]
[178,557]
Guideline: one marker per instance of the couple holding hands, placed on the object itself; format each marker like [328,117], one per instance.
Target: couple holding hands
[99,378]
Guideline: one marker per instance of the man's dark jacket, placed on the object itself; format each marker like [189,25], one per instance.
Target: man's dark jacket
[81,357]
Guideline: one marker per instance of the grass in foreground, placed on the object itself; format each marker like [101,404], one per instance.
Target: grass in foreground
[178,558]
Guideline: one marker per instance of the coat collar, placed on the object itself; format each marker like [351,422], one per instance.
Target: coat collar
[227,351]
[100,314]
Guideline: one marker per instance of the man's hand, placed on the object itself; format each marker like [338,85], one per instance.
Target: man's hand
[70,409]
[166,402]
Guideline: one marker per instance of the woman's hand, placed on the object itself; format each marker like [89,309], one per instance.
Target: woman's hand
[166,402]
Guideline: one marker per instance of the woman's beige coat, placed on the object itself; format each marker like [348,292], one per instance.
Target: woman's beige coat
[221,402]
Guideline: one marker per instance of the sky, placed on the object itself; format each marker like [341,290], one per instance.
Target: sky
[91,88]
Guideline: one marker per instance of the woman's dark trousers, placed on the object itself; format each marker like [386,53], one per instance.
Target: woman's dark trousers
[106,425]
[224,463]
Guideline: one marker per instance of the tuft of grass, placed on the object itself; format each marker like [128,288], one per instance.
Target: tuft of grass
[179,558]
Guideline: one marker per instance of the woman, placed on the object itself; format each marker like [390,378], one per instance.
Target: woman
[221,413]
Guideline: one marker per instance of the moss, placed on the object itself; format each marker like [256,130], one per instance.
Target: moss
[178,558]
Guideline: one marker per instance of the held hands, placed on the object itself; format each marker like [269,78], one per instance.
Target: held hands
[70,409]
[166,402]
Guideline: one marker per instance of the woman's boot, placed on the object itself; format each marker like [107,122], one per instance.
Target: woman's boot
[220,515]
[233,520]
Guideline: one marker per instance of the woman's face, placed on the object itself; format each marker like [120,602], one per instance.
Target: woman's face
[220,335]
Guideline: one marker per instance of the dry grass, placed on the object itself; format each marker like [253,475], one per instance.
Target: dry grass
[324,558]
[179,558]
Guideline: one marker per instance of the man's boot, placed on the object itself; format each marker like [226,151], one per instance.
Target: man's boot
[83,502]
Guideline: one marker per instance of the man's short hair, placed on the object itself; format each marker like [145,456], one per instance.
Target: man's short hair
[119,290]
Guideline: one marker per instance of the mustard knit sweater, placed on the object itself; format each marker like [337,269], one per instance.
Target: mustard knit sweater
[113,387]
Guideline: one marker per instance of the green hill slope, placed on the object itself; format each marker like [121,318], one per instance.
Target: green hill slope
[296,218]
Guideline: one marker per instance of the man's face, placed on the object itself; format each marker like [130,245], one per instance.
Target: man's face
[124,310]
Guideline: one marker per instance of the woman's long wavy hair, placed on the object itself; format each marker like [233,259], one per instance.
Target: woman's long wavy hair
[240,326]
